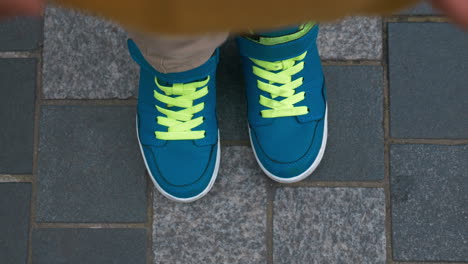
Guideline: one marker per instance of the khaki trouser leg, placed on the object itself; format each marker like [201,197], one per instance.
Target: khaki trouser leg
[177,53]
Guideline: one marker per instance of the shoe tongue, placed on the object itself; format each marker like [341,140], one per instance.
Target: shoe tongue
[253,49]
[280,32]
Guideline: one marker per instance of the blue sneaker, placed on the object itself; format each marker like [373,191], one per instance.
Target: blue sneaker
[287,108]
[177,128]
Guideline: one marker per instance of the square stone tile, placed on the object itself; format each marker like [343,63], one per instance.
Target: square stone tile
[90,246]
[429,202]
[355,150]
[15,200]
[85,57]
[226,226]
[428,65]
[90,168]
[20,34]
[353,38]
[17,93]
[232,104]
[424,8]
[329,225]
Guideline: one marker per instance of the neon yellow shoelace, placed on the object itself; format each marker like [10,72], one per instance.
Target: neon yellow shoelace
[286,69]
[180,123]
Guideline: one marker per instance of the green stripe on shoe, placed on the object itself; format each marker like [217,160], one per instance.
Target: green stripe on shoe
[304,29]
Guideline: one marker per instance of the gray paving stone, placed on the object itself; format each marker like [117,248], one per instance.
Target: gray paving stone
[85,57]
[20,34]
[17,92]
[329,225]
[91,246]
[429,202]
[421,9]
[428,80]
[351,39]
[232,105]
[226,226]
[355,135]
[14,222]
[89,166]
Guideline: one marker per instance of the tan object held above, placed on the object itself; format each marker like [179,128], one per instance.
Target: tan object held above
[198,16]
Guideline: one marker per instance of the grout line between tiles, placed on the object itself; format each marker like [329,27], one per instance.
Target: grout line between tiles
[390,141]
[90,225]
[417,19]
[20,54]
[428,141]
[386,128]
[6,178]
[37,108]
[335,184]
[332,62]
[271,191]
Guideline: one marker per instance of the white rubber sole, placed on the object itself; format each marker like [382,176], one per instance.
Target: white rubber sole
[172,197]
[306,173]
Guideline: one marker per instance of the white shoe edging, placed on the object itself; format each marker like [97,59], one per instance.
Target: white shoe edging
[177,199]
[309,171]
